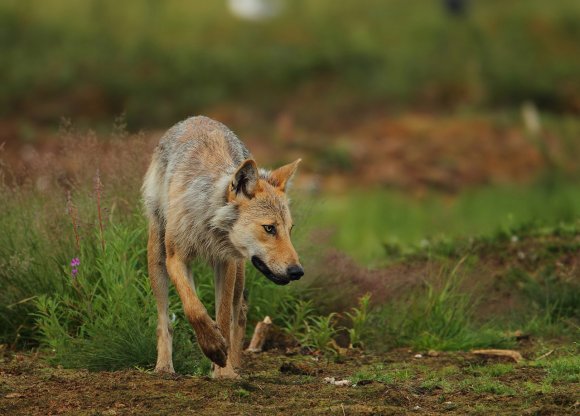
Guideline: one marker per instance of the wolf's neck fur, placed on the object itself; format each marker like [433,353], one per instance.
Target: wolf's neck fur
[226,213]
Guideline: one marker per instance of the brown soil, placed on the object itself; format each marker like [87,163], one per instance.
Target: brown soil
[29,387]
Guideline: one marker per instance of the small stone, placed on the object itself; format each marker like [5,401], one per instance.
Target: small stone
[418,356]
[338,383]
[417,408]
[433,353]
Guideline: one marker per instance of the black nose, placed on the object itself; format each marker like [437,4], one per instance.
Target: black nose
[295,272]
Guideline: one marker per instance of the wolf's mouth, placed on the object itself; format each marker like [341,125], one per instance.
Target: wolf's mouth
[265,270]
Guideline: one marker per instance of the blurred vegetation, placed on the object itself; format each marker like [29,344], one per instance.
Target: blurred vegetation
[379,222]
[161,61]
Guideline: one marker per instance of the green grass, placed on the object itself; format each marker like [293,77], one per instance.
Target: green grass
[564,369]
[372,225]
[105,317]
[433,383]
[438,317]
[382,374]
[538,388]
[493,370]
[486,385]
[548,291]
[159,61]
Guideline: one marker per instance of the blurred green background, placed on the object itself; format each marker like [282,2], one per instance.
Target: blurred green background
[158,62]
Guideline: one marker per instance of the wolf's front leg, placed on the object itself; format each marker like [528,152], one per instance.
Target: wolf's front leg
[209,337]
[225,282]
[239,311]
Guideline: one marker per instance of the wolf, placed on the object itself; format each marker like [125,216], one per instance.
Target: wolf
[205,198]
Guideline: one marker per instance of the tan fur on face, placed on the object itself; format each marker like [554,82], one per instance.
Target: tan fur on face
[269,206]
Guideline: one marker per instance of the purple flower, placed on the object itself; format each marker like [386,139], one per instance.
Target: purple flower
[74,264]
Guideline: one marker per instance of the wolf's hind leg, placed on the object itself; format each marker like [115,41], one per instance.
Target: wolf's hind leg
[225,282]
[159,284]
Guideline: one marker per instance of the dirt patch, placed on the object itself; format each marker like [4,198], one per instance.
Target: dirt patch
[29,387]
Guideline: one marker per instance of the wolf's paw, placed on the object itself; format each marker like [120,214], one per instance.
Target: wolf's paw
[164,368]
[212,342]
[225,372]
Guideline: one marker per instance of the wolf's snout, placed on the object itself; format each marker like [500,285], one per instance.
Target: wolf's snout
[295,272]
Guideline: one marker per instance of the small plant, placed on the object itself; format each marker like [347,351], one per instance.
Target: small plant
[299,313]
[553,301]
[320,332]
[242,393]
[316,332]
[535,388]
[359,318]
[104,318]
[98,194]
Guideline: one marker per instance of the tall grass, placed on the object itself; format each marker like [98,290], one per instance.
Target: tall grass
[553,298]
[440,317]
[105,315]
[31,261]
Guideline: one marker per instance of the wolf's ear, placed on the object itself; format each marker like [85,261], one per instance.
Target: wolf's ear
[245,180]
[281,177]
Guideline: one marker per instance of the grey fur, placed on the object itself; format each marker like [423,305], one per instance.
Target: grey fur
[199,212]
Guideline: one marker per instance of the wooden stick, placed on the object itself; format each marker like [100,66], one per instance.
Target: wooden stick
[514,355]
[260,335]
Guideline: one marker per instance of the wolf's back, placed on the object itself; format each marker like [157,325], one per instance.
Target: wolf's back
[191,159]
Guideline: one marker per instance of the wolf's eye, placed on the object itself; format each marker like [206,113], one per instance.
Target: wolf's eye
[270,229]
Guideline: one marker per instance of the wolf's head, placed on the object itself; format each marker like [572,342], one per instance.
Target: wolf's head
[260,223]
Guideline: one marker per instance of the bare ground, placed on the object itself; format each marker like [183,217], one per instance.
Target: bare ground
[274,383]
